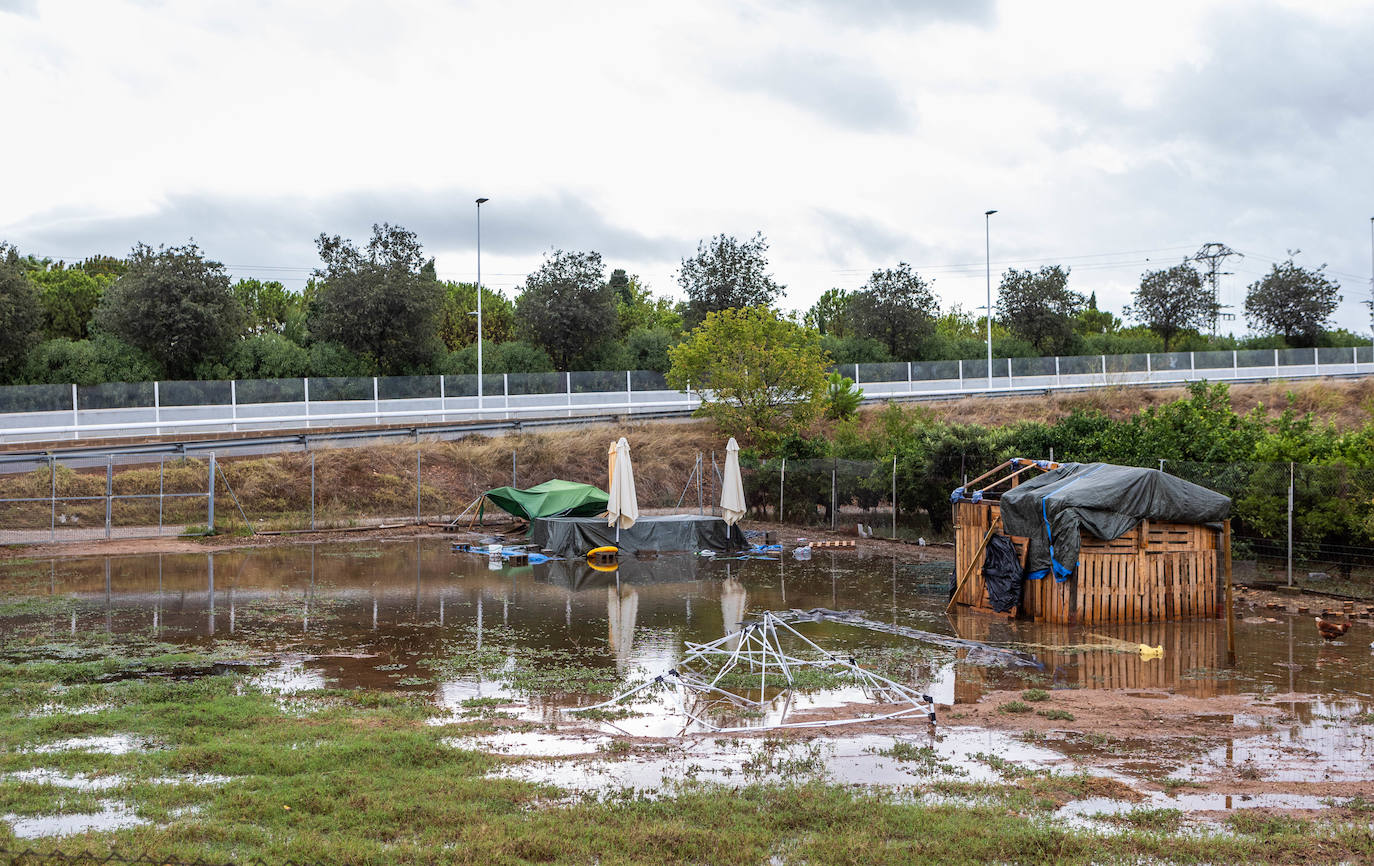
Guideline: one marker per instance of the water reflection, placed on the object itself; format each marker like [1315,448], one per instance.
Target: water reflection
[375,615]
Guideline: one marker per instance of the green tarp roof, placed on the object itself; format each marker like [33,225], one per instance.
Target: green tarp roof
[556,498]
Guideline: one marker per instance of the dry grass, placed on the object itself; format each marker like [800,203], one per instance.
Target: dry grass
[1346,403]
[377,480]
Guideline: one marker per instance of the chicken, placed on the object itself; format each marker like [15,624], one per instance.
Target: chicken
[1331,630]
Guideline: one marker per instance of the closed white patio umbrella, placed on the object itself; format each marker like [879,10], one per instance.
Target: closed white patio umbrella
[622,508]
[732,489]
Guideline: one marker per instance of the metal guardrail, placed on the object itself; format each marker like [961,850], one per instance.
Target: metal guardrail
[46,412]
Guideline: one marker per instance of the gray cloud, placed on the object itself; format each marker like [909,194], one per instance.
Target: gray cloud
[1273,79]
[880,246]
[256,234]
[27,8]
[886,13]
[841,90]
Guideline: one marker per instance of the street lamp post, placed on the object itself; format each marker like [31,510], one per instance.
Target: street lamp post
[479,302]
[987,250]
[1371,289]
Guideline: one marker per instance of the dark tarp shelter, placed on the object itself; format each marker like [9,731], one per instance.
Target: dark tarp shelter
[550,499]
[1106,501]
[574,536]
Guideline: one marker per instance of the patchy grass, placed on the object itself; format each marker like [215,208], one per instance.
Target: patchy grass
[1056,715]
[1013,707]
[1035,695]
[223,771]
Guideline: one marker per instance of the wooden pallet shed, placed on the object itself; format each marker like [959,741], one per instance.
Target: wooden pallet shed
[1157,571]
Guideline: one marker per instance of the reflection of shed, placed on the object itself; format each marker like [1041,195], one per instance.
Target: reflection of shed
[1158,559]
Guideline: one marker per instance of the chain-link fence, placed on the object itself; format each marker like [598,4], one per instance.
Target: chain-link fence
[1313,521]
[1308,525]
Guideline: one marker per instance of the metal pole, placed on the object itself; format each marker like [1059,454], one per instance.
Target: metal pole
[894,497]
[1371,289]
[210,511]
[161,474]
[376,405]
[109,490]
[157,408]
[1290,524]
[52,470]
[417,486]
[479,303]
[312,490]
[987,250]
[701,465]
[76,415]
[782,487]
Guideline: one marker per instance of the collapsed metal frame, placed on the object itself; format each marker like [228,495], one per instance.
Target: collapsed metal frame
[756,645]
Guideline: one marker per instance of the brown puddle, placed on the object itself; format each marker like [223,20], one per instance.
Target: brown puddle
[394,615]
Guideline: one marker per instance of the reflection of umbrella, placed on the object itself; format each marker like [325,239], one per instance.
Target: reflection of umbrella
[732,490]
[621,612]
[622,509]
[733,600]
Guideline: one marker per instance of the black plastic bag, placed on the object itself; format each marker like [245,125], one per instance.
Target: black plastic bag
[1002,574]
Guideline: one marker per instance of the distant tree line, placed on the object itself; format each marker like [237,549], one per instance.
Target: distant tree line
[380,309]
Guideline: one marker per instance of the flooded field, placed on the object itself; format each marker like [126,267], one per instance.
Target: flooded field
[502,655]
[383,616]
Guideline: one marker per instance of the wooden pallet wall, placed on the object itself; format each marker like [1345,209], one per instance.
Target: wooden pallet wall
[1155,572]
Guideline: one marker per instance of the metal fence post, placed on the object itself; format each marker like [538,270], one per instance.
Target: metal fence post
[1316,361]
[312,490]
[782,488]
[961,375]
[1009,385]
[305,382]
[1235,364]
[894,496]
[1148,367]
[629,398]
[76,415]
[1104,368]
[157,407]
[234,404]
[1276,363]
[376,405]
[52,469]
[210,495]
[505,390]
[1192,366]
[833,472]
[1290,524]
[109,490]
[908,376]
[1056,370]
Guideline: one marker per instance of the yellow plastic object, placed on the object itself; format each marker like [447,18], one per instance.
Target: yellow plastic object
[1151,652]
[596,566]
[607,549]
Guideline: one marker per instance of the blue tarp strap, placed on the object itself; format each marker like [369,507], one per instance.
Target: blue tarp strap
[1061,573]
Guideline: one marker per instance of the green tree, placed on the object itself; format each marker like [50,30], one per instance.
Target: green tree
[636,307]
[268,306]
[760,376]
[1091,320]
[88,362]
[70,296]
[382,303]
[830,314]
[897,308]
[1039,307]
[1171,300]
[567,309]
[458,322]
[21,313]
[727,274]
[647,349]
[175,305]
[1293,302]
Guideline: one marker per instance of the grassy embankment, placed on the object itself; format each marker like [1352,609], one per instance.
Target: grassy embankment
[220,769]
[353,484]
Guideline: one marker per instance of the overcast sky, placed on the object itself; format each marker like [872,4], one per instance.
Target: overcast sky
[1112,137]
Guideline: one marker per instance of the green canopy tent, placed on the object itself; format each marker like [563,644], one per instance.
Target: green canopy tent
[555,498]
